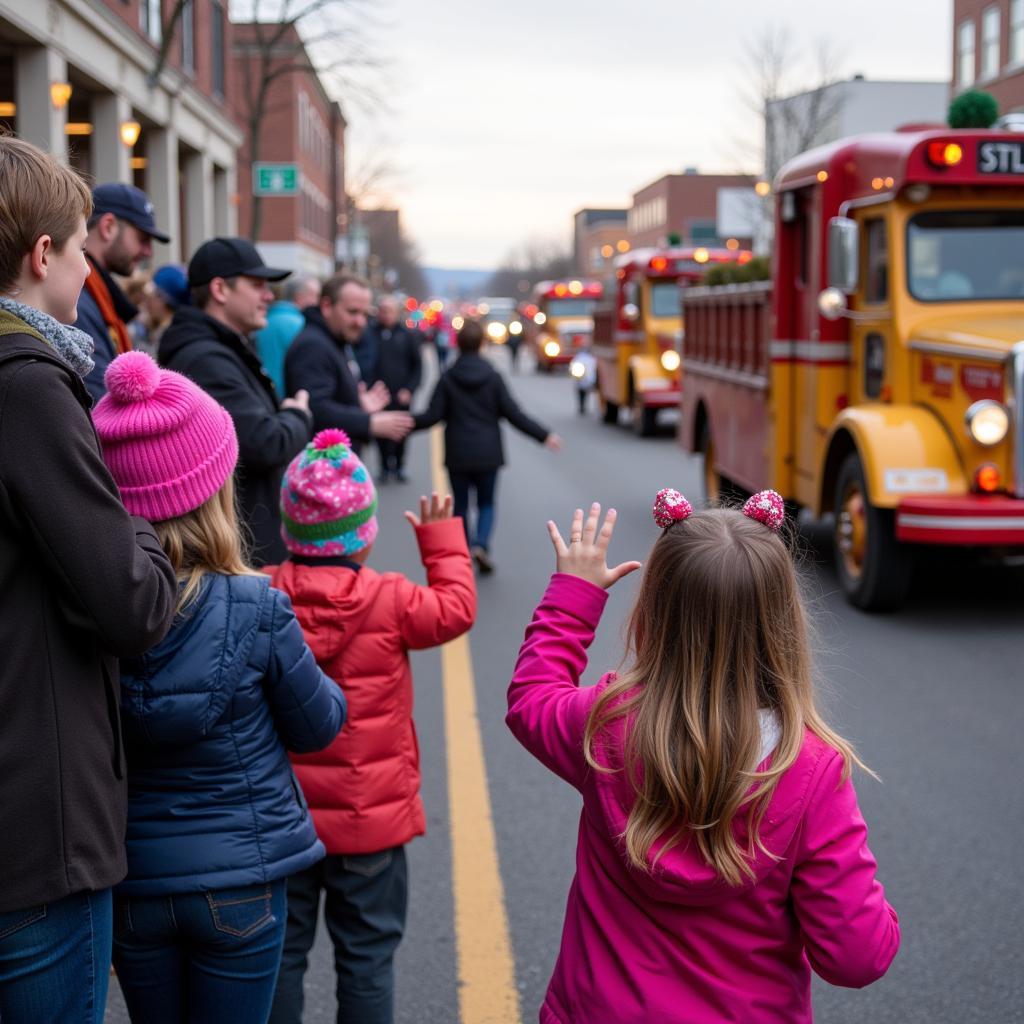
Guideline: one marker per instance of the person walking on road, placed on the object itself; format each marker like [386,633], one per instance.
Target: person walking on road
[722,854]
[390,353]
[121,233]
[285,319]
[472,398]
[83,583]
[321,361]
[209,342]
[363,790]
[215,823]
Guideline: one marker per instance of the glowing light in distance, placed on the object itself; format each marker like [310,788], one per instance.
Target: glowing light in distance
[670,360]
[540,317]
[551,349]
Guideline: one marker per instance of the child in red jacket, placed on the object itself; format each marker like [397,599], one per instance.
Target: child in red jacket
[363,790]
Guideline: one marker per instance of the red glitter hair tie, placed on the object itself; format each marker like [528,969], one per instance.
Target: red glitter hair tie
[670,507]
[766,507]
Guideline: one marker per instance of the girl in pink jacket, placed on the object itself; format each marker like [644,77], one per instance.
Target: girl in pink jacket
[721,851]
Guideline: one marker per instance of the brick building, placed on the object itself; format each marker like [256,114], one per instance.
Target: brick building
[76,77]
[686,205]
[300,125]
[988,50]
[596,238]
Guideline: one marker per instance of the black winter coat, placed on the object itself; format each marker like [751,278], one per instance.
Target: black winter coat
[81,583]
[225,365]
[472,399]
[393,356]
[326,368]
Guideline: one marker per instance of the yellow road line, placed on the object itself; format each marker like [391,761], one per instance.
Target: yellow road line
[487,983]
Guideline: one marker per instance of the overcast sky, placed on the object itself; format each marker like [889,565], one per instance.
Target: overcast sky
[506,119]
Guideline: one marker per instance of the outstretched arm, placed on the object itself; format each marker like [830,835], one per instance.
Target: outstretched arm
[547,710]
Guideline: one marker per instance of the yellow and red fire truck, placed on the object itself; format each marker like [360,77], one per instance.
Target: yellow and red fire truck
[564,320]
[637,338]
[880,375]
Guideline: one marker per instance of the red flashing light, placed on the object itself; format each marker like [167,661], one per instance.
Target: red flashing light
[745,256]
[659,263]
[561,290]
[987,478]
[411,304]
[944,154]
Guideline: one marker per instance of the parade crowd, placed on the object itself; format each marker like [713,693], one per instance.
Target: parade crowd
[206,693]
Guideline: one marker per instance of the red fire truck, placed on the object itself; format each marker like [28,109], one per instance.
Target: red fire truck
[637,338]
[880,376]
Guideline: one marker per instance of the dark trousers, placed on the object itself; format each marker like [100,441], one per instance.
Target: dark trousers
[55,961]
[364,908]
[207,957]
[392,455]
[484,483]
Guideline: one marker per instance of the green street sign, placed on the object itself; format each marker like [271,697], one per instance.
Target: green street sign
[275,179]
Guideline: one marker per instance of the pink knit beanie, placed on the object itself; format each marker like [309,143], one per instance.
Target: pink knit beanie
[169,446]
[328,502]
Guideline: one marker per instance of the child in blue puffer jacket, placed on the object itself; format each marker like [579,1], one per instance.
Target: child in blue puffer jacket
[216,821]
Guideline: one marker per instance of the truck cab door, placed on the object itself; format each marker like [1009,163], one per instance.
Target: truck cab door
[871,333]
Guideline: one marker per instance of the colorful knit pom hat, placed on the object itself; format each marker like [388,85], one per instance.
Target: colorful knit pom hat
[328,501]
[169,446]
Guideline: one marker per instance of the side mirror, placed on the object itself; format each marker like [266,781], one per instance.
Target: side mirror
[843,255]
[630,312]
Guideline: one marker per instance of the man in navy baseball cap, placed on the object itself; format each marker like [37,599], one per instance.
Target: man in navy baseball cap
[121,233]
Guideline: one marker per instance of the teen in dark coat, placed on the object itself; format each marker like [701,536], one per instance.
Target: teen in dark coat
[82,583]
[472,398]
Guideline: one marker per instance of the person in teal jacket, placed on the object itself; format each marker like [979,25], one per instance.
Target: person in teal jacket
[284,321]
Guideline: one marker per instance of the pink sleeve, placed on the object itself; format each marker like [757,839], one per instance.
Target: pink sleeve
[546,707]
[850,932]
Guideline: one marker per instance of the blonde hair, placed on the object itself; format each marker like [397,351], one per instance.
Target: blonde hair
[205,540]
[38,196]
[718,631]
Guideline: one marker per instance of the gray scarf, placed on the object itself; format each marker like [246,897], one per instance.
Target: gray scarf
[72,345]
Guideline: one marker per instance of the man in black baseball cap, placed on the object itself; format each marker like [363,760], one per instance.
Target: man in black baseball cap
[209,342]
[121,233]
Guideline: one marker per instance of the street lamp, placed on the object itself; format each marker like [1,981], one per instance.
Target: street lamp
[130,131]
[60,93]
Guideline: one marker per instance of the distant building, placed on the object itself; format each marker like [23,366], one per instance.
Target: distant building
[596,236]
[988,50]
[303,129]
[684,209]
[817,116]
[76,79]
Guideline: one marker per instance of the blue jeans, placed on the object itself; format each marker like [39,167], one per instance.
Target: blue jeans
[484,483]
[55,961]
[364,908]
[200,957]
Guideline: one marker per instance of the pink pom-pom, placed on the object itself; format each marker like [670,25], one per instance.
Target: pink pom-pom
[766,507]
[132,377]
[670,507]
[330,437]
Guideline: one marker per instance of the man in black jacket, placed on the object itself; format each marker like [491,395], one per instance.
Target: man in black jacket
[472,399]
[392,354]
[321,361]
[209,342]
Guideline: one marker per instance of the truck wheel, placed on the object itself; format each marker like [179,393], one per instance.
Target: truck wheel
[873,568]
[610,411]
[645,419]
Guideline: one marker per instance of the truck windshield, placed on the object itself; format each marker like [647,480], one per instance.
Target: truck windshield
[665,299]
[569,307]
[965,254]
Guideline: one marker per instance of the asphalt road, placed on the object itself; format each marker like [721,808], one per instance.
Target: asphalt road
[931,696]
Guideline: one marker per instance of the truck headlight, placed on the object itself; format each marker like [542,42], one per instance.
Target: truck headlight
[670,360]
[496,331]
[552,348]
[515,327]
[987,422]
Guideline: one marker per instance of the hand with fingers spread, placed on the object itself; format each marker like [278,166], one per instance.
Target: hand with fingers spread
[586,554]
[373,400]
[431,511]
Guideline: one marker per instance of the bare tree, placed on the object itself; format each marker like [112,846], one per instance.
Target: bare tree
[538,259]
